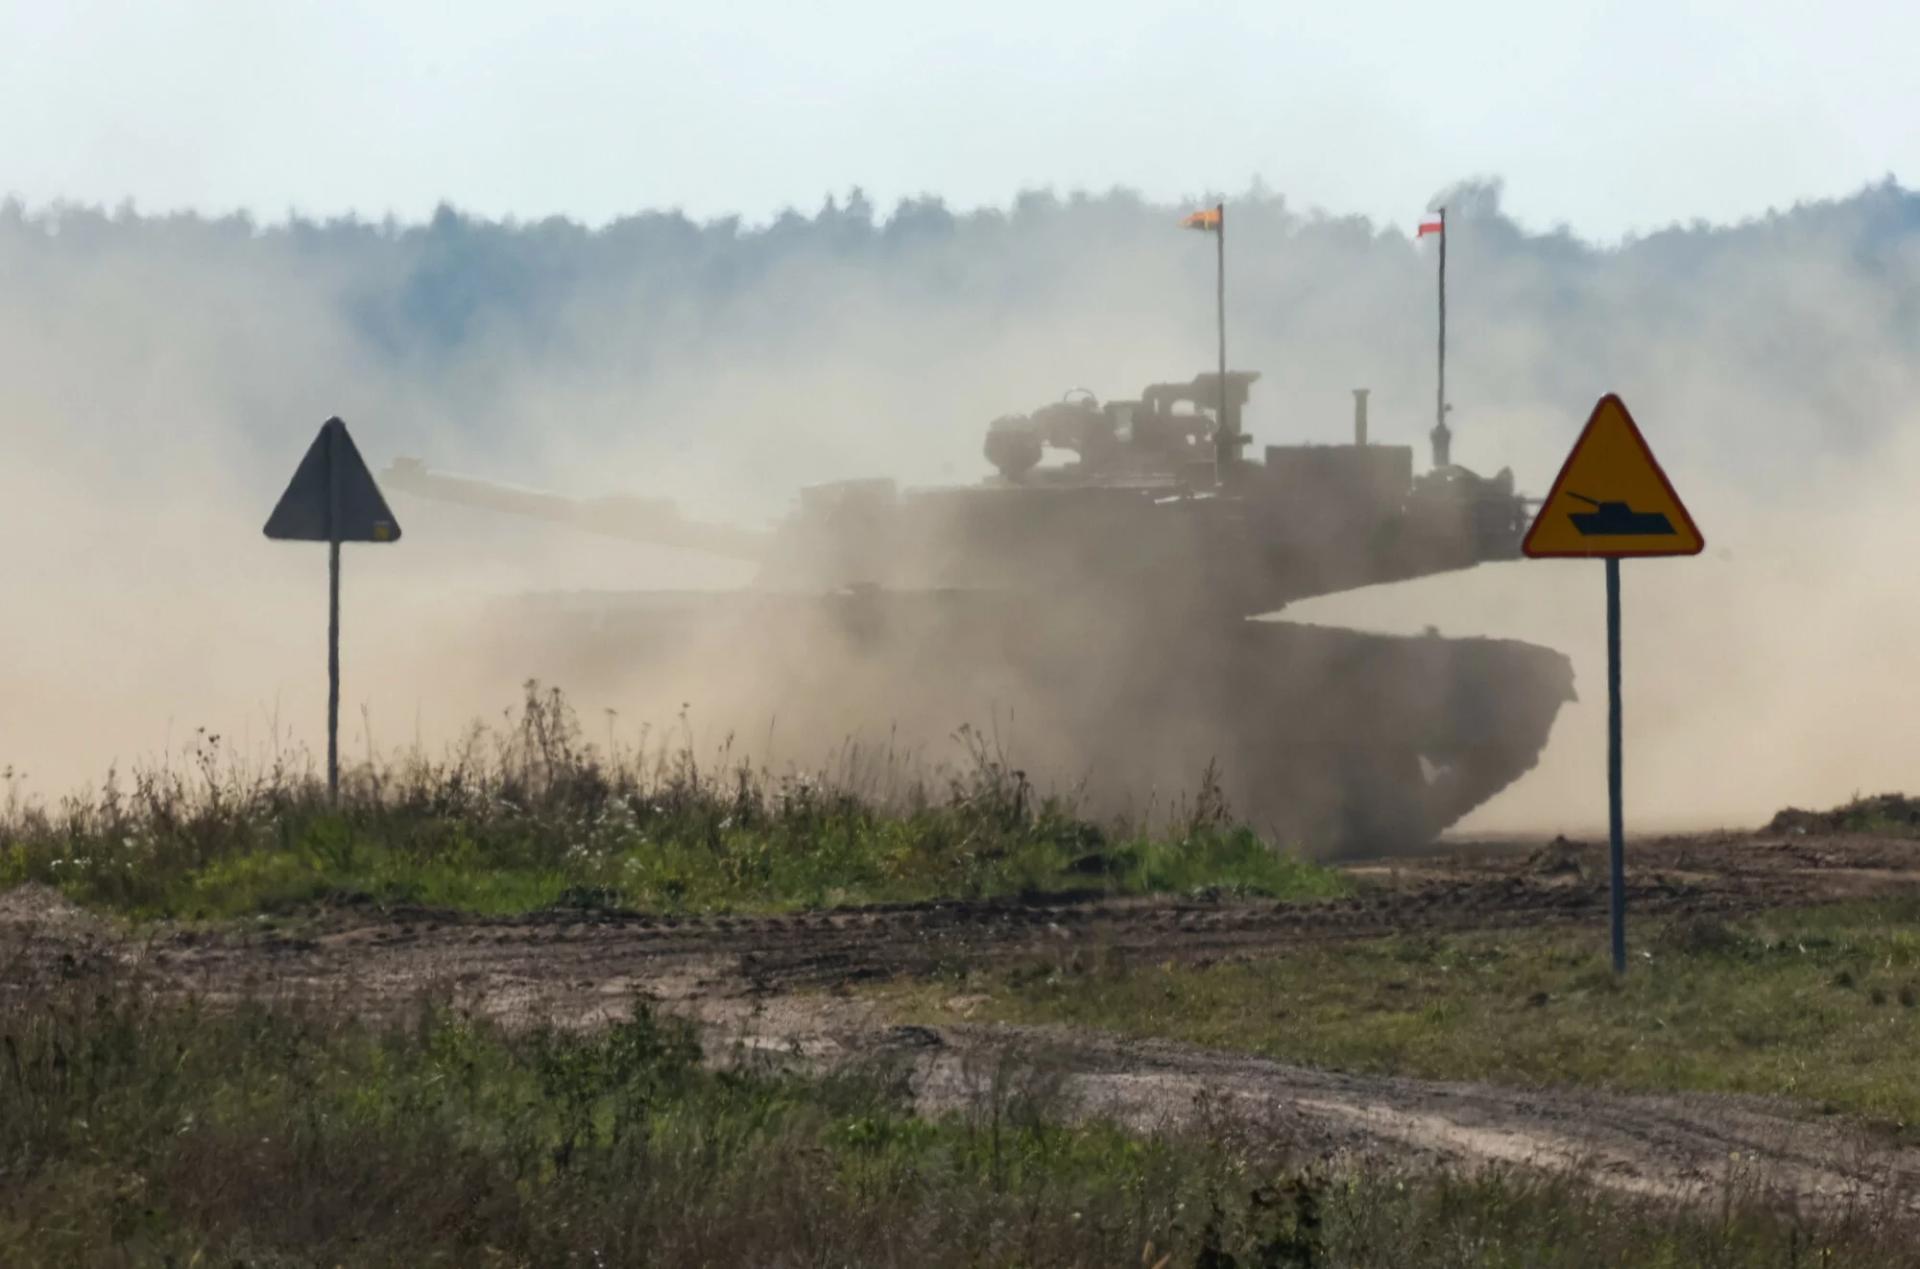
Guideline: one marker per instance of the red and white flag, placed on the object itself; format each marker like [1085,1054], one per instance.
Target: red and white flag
[1433,224]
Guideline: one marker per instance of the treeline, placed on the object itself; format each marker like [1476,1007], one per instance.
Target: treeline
[1796,320]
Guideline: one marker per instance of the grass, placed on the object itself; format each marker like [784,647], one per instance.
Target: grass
[136,1131]
[1882,815]
[528,816]
[1822,1005]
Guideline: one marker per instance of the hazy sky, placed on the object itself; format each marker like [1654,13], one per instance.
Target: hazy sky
[1608,117]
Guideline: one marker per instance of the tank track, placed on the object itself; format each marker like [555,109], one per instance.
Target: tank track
[1336,741]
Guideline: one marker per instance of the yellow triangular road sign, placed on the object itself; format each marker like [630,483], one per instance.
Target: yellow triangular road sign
[1611,499]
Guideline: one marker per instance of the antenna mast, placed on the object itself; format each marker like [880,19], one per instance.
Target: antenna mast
[1442,435]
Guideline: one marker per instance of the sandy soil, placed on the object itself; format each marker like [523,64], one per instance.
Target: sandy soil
[775,986]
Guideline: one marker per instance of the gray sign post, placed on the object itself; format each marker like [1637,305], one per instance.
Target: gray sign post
[332,498]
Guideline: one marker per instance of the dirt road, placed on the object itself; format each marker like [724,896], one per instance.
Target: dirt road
[769,983]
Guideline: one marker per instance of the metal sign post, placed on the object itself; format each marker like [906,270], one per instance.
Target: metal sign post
[1611,501]
[1616,815]
[333,612]
[332,498]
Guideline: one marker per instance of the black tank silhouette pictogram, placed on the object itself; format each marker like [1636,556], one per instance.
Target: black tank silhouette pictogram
[1617,519]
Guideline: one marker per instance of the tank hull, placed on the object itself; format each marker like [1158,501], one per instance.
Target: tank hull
[1335,741]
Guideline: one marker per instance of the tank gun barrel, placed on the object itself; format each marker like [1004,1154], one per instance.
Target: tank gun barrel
[654,520]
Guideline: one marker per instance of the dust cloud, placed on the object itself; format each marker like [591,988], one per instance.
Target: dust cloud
[165,374]
[1776,668]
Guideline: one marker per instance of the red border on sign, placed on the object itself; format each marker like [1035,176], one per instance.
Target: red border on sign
[1633,430]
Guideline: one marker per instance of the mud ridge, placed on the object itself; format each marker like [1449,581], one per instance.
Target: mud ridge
[773,985]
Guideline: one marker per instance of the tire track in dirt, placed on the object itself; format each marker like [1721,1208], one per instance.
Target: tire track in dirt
[1683,1146]
[758,980]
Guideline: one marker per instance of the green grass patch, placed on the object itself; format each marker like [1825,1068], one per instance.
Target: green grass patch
[1882,815]
[140,1132]
[530,818]
[1820,1005]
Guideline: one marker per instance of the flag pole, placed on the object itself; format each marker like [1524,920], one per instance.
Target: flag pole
[1441,436]
[1223,451]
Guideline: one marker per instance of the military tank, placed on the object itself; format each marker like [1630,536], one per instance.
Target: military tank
[1109,618]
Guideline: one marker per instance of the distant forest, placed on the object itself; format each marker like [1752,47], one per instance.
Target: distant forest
[1797,328]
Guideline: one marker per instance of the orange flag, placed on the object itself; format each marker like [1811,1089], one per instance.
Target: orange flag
[1208,219]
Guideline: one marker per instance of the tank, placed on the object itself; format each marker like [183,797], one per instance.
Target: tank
[1103,607]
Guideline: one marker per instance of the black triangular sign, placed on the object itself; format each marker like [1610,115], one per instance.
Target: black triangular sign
[333,481]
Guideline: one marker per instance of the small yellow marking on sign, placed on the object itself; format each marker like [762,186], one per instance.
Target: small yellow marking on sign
[1611,499]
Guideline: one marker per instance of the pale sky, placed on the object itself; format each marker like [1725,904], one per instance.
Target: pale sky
[1608,117]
